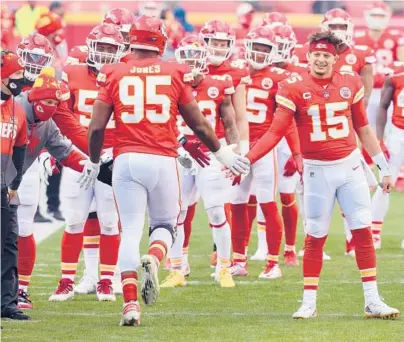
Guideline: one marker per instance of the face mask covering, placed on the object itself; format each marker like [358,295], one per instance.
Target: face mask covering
[44,112]
[15,86]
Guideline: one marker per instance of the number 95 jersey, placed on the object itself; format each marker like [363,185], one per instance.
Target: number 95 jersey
[326,113]
[145,94]
[83,87]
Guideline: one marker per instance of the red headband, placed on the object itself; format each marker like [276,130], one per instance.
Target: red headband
[324,46]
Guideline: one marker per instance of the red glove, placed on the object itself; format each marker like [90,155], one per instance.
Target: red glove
[236,180]
[294,163]
[193,148]
[385,150]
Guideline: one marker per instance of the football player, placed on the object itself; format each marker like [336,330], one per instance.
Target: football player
[106,45]
[261,47]
[388,46]
[328,109]
[392,92]
[213,95]
[220,39]
[145,94]
[274,18]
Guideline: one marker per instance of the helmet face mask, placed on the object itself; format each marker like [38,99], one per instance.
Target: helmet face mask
[36,52]
[377,21]
[219,50]
[194,56]
[343,30]
[259,55]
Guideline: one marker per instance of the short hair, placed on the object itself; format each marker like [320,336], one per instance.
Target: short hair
[54,5]
[327,36]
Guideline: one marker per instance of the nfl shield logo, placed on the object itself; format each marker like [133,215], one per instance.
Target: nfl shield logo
[326,95]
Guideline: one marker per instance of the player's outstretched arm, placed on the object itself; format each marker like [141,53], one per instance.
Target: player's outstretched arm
[228,118]
[101,114]
[385,100]
[283,120]
[200,125]
[367,80]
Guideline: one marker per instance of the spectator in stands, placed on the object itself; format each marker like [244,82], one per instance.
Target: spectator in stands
[322,6]
[58,8]
[27,16]
[180,16]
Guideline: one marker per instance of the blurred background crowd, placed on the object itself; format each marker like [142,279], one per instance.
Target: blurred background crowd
[20,18]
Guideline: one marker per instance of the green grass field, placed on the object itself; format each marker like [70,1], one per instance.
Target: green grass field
[253,311]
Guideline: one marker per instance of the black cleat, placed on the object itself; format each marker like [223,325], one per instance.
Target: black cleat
[39,218]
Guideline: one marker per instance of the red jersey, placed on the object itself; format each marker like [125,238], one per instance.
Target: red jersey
[145,94]
[351,59]
[385,50]
[13,127]
[261,99]
[83,87]
[210,94]
[293,69]
[325,114]
[237,70]
[394,68]
[398,100]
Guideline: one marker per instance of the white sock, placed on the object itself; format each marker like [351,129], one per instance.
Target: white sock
[91,260]
[310,296]
[370,291]
[262,237]
[222,239]
[175,254]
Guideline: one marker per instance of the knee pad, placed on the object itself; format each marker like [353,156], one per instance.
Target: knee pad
[171,229]
[317,215]
[108,223]
[359,219]
[75,228]
[216,215]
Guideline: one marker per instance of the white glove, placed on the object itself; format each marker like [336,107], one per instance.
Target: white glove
[105,158]
[89,174]
[47,166]
[235,163]
[187,162]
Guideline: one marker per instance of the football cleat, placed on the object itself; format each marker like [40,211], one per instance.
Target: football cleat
[290,258]
[349,248]
[24,303]
[272,271]
[105,291]
[64,291]
[260,255]
[86,285]
[130,314]
[224,278]
[379,309]
[213,260]
[186,269]
[150,288]
[174,279]
[239,269]
[307,310]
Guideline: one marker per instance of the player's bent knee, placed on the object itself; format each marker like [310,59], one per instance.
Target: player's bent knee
[75,228]
[171,229]
[317,228]
[216,215]
[25,228]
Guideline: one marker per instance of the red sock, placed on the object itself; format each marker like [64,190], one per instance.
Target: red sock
[26,259]
[365,253]
[227,212]
[252,213]
[71,248]
[91,233]
[312,261]
[188,224]
[129,285]
[273,227]
[239,215]
[109,247]
[376,229]
[159,249]
[290,214]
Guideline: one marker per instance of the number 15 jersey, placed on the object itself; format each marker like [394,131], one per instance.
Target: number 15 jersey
[145,94]
[326,113]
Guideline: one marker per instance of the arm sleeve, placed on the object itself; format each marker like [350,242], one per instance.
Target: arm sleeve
[283,120]
[21,139]
[70,126]
[292,138]
[359,118]
[73,161]
[18,160]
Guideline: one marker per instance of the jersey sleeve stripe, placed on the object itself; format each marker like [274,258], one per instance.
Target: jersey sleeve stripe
[285,102]
[229,91]
[359,95]
[65,78]
[245,80]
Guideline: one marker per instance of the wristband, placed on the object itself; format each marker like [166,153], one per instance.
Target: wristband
[381,162]
[182,139]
